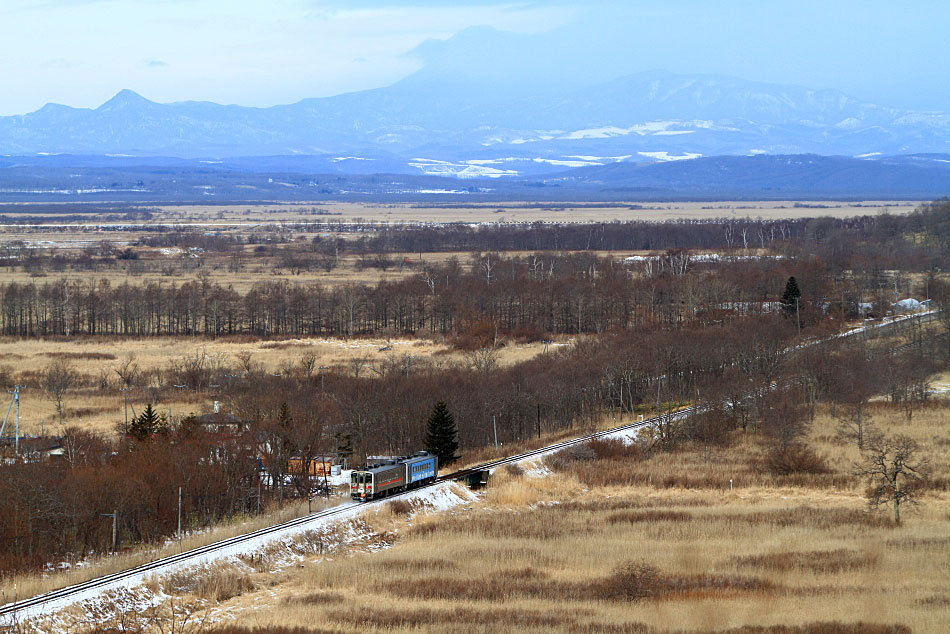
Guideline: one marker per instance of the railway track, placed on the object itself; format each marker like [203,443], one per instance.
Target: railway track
[58,598]
[64,596]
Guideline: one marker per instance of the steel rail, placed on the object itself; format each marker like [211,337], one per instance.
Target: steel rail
[183,557]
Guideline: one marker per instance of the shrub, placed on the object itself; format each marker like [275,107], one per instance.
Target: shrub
[632,582]
[614,449]
[514,470]
[399,507]
[561,460]
[794,458]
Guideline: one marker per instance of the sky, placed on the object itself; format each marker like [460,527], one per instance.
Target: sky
[256,53]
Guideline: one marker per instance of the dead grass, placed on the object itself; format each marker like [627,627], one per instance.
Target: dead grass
[821,518]
[98,406]
[316,598]
[575,552]
[632,517]
[817,561]
[215,583]
[29,585]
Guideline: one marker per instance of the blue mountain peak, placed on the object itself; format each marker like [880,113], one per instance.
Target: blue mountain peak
[125,99]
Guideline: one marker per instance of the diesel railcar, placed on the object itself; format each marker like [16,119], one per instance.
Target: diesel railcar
[393,476]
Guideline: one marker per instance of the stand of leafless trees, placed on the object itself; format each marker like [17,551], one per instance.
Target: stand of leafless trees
[664,339]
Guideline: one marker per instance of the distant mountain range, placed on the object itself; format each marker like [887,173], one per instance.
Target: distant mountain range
[435,123]
[461,129]
[780,177]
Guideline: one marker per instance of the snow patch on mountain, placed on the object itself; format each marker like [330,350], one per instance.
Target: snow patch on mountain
[666,156]
[433,167]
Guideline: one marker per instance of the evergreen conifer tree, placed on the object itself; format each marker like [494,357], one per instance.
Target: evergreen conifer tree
[791,295]
[147,424]
[442,435]
[344,447]
[284,419]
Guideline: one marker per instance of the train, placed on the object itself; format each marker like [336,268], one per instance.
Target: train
[393,476]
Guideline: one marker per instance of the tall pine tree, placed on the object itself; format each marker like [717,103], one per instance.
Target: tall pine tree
[147,424]
[442,435]
[791,295]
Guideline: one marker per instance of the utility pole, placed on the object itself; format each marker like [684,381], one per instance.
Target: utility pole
[179,515]
[323,369]
[9,407]
[495,427]
[539,421]
[798,317]
[16,399]
[114,515]
[125,394]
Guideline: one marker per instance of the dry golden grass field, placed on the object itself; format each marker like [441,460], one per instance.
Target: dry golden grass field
[98,405]
[242,269]
[168,270]
[512,212]
[630,544]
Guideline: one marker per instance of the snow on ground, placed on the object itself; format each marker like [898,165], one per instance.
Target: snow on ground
[940,388]
[535,468]
[666,156]
[342,478]
[654,128]
[706,257]
[584,157]
[284,542]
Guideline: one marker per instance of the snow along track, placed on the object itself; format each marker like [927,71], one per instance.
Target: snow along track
[58,599]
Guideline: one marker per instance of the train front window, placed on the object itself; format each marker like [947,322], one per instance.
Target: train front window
[353,479]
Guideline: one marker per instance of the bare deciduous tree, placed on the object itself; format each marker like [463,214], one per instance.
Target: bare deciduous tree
[127,370]
[854,424]
[308,363]
[895,472]
[58,378]
[358,363]
[483,360]
[244,360]
[784,417]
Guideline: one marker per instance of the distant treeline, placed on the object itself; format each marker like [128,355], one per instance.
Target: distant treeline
[544,293]
[52,510]
[932,220]
[838,263]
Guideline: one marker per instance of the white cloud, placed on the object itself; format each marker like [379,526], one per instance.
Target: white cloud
[230,51]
